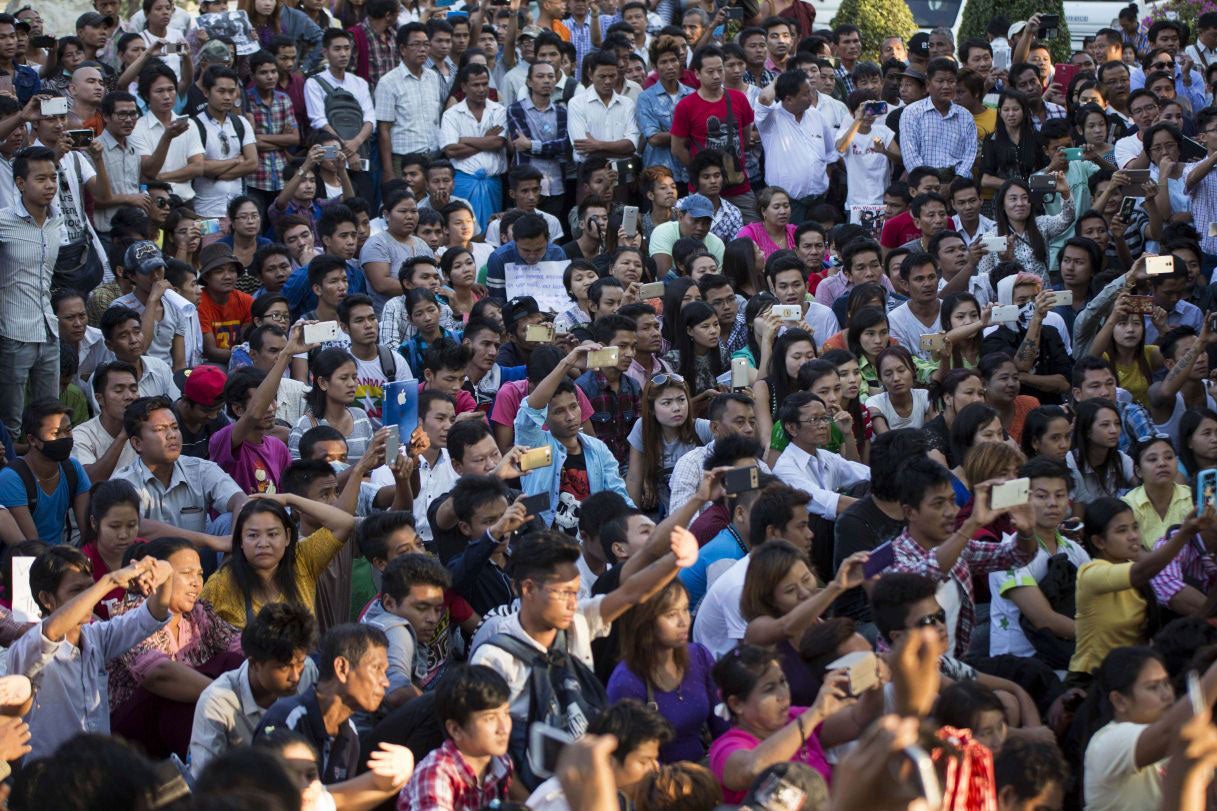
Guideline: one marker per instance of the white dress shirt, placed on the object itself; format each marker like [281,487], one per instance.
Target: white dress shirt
[820,474]
[822,321]
[314,97]
[797,151]
[459,123]
[147,134]
[589,117]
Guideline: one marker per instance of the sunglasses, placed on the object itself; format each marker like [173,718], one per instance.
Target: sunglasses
[664,378]
[939,617]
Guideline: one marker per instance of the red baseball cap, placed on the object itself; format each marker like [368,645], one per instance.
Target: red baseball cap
[204,385]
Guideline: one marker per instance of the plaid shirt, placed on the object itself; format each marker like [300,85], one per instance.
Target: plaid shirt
[445,780]
[382,53]
[979,557]
[738,339]
[1194,566]
[844,78]
[727,221]
[761,81]
[550,141]
[275,118]
[613,413]
[929,138]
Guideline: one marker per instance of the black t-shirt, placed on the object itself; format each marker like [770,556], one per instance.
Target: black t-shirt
[195,443]
[938,437]
[302,714]
[573,251]
[573,487]
[861,528]
[606,650]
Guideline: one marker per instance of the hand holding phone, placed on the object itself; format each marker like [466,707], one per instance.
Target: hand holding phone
[1013,493]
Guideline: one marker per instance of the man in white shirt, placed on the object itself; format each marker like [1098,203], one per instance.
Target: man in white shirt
[920,314]
[805,465]
[788,280]
[169,145]
[799,143]
[601,122]
[473,137]
[101,443]
[337,46]
[229,148]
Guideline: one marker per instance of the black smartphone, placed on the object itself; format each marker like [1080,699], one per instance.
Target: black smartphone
[42,41]
[881,557]
[1192,151]
[1050,26]
[741,480]
[536,504]
[735,13]
[1126,208]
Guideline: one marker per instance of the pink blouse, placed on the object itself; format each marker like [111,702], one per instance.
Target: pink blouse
[756,232]
[735,739]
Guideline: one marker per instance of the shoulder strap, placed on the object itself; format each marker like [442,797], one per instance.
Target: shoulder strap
[388,364]
[202,130]
[326,86]
[238,126]
[27,478]
[524,652]
[69,473]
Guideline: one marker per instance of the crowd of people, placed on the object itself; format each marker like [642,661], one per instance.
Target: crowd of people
[640,405]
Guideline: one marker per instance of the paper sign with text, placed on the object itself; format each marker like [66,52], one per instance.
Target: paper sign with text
[542,281]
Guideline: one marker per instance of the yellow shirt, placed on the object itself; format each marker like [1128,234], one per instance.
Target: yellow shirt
[313,555]
[1133,378]
[1110,613]
[1154,526]
[986,123]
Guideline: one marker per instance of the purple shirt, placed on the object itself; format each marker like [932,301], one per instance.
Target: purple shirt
[688,708]
[255,468]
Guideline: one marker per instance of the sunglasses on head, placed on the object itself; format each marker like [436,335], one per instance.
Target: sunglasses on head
[664,378]
[939,617]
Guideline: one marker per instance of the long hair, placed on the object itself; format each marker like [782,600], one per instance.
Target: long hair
[243,574]
[172,221]
[766,568]
[673,295]
[271,20]
[781,384]
[1026,130]
[1110,472]
[1138,350]
[950,303]
[859,323]
[757,306]
[323,365]
[1033,236]
[740,266]
[652,432]
[1189,424]
[692,314]
[639,650]
[1036,424]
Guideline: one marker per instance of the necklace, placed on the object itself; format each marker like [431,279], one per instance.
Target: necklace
[48,478]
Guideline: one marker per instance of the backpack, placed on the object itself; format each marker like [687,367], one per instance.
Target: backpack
[238,126]
[343,112]
[67,469]
[563,692]
[1059,586]
[388,363]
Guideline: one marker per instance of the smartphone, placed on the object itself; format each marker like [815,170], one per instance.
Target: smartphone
[787,312]
[995,244]
[329,152]
[539,333]
[171,47]
[1195,694]
[1213,229]
[535,504]
[1010,494]
[1137,176]
[1001,59]
[876,108]
[1004,314]
[776,793]
[81,139]
[544,746]
[208,227]
[629,220]
[1192,151]
[536,457]
[54,106]
[927,776]
[862,669]
[401,405]
[1042,183]
[600,358]
[735,13]
[1206,489]
[654,290]
[881,558]
[622,168]
[741,479]
[1050,26]
[1141,305]
[1062,298]
[320,332]
[42,41]
[739,373]
[364,165]
[392,445]
[1074,153]
[1063,73]
[933,341]
[1157,265]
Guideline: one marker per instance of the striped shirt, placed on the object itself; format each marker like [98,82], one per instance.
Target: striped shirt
[412,104]
[28,253]
[1194,566]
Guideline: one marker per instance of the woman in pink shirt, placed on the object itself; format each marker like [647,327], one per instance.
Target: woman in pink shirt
[774,232]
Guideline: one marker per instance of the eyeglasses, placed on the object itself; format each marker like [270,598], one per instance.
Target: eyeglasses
[939,617]
[282,318]
[249,216]
[817,420]
[664,378]
[563,596]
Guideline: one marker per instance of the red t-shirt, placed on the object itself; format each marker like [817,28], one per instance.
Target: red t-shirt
[689,120]
[225,321]
[899,230]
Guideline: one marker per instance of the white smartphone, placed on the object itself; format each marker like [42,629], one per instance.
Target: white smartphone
[1158,265]
[599,358]
[629,220]
[544,747]
[1004,314]
[320,332]
[787,312]
[1195,693]
[651,290]
[1062,298]
[392,445]
[55,106]
[739,373]
[995,244]
[1010,494]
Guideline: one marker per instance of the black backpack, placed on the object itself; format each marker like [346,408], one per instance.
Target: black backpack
[563,692]
[66,469]
[1059,586]
[343,112]
[238,126]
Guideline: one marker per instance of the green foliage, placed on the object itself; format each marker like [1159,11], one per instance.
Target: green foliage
[877,20]
[978,13]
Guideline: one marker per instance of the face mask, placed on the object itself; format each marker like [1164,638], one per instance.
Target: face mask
[339,466]
[58,450]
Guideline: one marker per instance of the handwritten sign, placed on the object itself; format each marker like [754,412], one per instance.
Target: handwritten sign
[542,281]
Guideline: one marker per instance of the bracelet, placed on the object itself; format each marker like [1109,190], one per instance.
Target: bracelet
[802,734]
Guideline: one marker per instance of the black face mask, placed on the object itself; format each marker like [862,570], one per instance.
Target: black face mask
[57,450]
